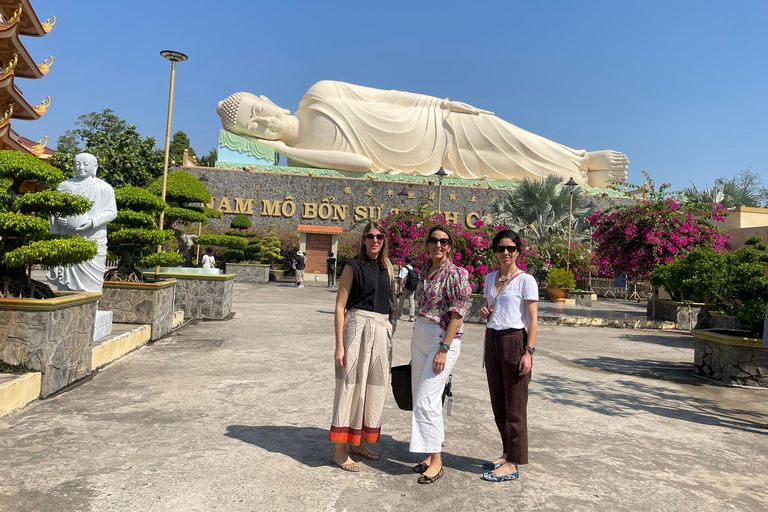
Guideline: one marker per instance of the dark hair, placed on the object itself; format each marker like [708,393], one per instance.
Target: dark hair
[209,250]
[442,228]
[330,254]
[408,259]
[383,257]
[509,235]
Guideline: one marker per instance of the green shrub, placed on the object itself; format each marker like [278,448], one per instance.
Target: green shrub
[181,187]
[254,253]
[234,255]
[240,222]
[560,278]
[232,242]
[694,277]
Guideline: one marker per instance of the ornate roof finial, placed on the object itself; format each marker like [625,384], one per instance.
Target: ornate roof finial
[43,107]
[7,116]
[16,16]
[45,66]
[7,70]
[48,25]
[39,148]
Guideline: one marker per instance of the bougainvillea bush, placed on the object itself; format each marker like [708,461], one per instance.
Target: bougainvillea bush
[634,239]
[554,253]
[408,229]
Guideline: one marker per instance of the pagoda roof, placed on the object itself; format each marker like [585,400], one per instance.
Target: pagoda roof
[29,23]
[10,45]
[21,108]
[10,139]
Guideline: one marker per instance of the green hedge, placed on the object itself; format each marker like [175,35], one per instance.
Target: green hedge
[138,200]
[163,259]
[232,242]
[127,219]
[185,215]
[181,187]
[142,237]
[52,202]
[51,253]
[22,167]
[234,255]
[12,224]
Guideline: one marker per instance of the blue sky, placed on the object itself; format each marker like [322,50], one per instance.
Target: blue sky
[679,86]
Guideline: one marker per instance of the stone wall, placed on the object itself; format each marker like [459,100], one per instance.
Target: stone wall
[141,303]
[685,317]
[55,340]
[249,273]
[205,297]
[582,299]
[732,364]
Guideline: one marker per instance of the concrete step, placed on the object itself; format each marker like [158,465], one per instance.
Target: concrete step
[124,339]
[18,389]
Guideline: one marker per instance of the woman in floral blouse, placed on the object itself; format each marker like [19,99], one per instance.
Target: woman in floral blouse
[441,302]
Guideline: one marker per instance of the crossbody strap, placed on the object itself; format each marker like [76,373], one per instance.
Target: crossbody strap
[496,299]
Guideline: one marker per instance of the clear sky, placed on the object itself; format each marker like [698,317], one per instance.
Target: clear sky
[681,87]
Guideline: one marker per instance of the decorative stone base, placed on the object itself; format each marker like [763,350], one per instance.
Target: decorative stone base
[52,336]
[204,297]
[249,272]
[730,359]
[141,303]
[685,316]
[582,299]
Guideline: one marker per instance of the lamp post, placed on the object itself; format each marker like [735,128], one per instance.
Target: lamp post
[174,57]
[571,184]
[440,175]
[204,180]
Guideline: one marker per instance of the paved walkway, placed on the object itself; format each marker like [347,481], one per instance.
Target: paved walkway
[233,416]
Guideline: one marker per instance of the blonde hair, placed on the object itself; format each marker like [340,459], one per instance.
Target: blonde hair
[383,257]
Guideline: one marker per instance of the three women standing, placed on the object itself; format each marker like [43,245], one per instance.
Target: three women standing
[511,297]
[441,303]
[364,323]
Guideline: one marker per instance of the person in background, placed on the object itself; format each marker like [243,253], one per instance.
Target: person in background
[407,282]
[208,260]
[301,262]
[441,303]
[511,299]
[331,269]
[364,324]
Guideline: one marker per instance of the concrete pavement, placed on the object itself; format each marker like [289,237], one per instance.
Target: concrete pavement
[233,416]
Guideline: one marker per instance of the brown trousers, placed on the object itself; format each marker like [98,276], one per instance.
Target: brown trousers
[509,390]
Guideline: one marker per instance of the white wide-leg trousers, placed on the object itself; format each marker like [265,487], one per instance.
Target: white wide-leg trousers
[427,433]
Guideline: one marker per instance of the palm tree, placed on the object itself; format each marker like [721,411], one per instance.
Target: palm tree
[539,209]
[727,193]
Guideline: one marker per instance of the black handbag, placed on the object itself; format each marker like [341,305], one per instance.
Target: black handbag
[401,388]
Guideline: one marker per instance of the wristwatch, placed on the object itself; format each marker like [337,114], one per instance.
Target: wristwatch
[445,346]
[530,350]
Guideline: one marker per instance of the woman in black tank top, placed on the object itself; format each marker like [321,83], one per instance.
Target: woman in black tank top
[364,325]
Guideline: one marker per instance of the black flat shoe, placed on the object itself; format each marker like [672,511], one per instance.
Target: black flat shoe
[420,467]
[423,479]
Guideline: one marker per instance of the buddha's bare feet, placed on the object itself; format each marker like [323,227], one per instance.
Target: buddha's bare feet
[607,160]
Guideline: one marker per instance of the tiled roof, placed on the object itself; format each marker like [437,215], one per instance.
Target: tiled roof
[303,228]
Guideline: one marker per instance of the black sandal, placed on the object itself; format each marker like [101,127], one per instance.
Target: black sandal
[420,467]
[423,479]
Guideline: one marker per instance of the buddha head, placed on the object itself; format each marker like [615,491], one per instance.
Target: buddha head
[85,165]
[256,116]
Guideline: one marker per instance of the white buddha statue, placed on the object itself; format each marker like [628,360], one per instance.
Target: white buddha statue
[354,128]
[89,275]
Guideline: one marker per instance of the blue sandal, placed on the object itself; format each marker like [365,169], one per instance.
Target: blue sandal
[493,478]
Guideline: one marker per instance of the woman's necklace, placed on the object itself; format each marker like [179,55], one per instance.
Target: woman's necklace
[511,275]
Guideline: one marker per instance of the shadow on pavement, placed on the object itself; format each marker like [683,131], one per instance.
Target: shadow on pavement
[626,398]
[310,446]
[676,340]
[664,370]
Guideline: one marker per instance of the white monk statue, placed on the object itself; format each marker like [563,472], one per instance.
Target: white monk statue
[354,128]
[87,276]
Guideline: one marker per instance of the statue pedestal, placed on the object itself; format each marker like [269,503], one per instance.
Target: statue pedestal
[103,325]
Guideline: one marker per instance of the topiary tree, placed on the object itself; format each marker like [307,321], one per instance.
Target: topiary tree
[134,235]
[186,197]
[271,247]
[235,244]
[240,222]
[26,202]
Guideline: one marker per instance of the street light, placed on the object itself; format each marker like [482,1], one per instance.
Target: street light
[440,175]
[174,57]
[571,184]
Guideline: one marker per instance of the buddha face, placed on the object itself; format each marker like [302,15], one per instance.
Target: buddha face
[247,114]
[85,165]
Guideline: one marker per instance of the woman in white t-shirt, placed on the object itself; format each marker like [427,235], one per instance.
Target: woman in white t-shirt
[511,298]
[208,260]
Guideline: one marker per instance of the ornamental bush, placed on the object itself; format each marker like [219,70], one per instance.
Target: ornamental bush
[186,197]
[134,235]
[635,239]
[240,222]
[233,245]
[560,278]
[27,198]
[550,253]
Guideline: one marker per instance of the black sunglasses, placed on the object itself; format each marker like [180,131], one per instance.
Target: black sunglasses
[441,241]
[371,236]
[501,248]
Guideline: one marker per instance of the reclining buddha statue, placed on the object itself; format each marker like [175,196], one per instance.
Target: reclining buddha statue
[354,128]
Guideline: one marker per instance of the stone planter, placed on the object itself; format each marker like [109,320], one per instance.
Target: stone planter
[731,357]
[557,294]
[249,272]
[582,298]
[722,321]
[141,303]
[686,316]
[51,336]
[474,305]
[276,275]
[203,296]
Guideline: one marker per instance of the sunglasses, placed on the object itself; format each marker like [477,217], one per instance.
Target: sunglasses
[371,236]
[501,248]
[441,241]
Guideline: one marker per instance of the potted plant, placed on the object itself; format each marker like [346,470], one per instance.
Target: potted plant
[559,283]
[51,332]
